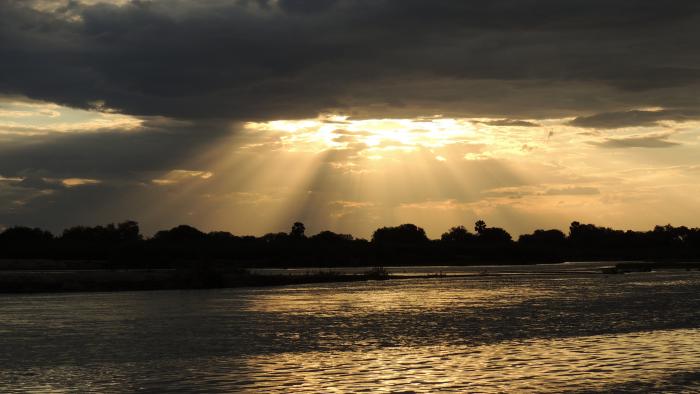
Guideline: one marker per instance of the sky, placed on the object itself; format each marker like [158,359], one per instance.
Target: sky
[248,115]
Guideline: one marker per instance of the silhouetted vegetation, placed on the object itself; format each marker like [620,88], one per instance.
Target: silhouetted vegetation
[118,256]
[122,246]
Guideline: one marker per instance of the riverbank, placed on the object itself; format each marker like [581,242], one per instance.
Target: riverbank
[90,276]
[78,280]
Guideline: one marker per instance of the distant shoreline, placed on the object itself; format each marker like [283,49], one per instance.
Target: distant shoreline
[97,280]
[122,246]
[82,279]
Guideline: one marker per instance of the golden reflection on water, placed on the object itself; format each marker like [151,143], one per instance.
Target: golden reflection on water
[532,333]
[603,362]
[384,297]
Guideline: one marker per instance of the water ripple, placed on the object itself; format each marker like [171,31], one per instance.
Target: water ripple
[626,333]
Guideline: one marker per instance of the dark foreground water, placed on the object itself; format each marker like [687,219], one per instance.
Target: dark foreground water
[511,333]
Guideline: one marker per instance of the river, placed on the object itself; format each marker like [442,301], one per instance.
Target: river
[533,332]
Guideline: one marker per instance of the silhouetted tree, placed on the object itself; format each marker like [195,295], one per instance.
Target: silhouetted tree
[543,239]
[584,235]
[272,238]
[26,242]
[129,231]
[669,236]
[479,226]
[113,234]
[331,237]
[549,245]
[491,235]
[405,233]
[221,236]
[298,230]
[122,245]
[181,233]
[25,235]
[458,234]
[99,242]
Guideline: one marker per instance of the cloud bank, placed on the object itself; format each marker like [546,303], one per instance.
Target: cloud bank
[295,58]
[367,113]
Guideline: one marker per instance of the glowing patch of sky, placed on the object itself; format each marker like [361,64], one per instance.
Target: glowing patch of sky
[354,175]
[546,174]
[31,117]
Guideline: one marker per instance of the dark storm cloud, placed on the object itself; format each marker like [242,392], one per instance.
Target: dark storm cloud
[292,58]
[212,63]
[113,154]
[33,182]
[614,120]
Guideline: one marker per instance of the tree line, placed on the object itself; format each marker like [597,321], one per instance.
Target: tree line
[123,245]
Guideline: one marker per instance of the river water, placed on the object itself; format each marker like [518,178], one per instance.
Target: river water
[532,332]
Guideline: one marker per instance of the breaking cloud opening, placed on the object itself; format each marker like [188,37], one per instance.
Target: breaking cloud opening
[248,115]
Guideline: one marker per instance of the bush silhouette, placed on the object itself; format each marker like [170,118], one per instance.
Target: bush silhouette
[405,233]
[122,245]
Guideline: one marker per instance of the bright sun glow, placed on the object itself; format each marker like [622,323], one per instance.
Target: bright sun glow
[374,136]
